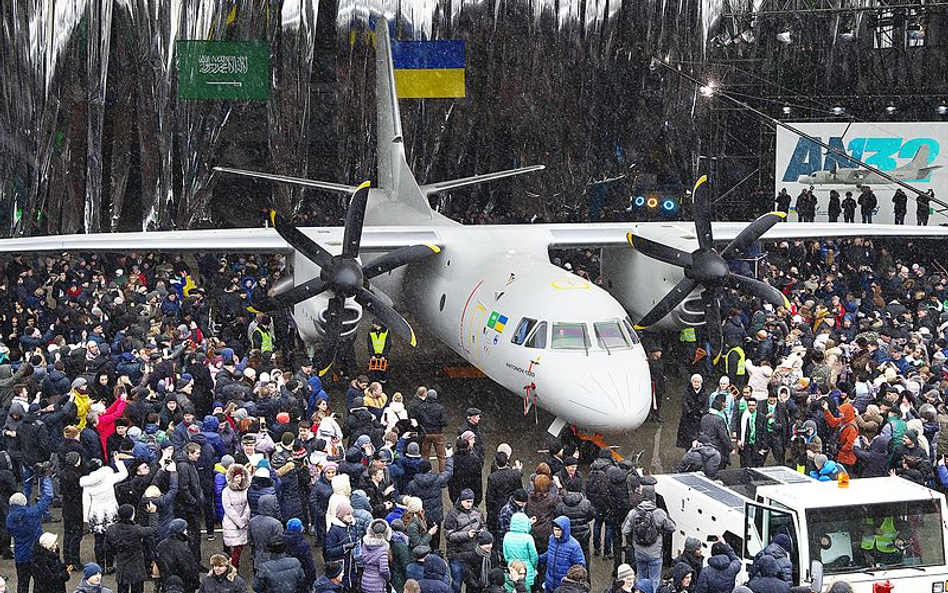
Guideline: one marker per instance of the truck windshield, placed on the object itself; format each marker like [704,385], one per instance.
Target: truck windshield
[884,535]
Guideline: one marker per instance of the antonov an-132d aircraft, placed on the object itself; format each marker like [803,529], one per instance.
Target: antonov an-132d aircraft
[490,292]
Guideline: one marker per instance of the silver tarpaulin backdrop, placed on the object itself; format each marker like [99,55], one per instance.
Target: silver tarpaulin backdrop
[93,134]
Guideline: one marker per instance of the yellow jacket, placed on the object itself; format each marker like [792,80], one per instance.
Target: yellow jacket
[82,405]
[371,401]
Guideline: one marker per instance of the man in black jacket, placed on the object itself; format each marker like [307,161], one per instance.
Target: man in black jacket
[189,504]
[501,484]
[280,574]
[175,557]
[126,539]
[430,415]
[71,469]
[715,428]
[33,442]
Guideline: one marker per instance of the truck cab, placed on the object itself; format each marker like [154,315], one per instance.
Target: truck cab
[874,530]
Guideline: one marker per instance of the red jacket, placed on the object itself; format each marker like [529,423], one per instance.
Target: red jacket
[107,420]
[848,434]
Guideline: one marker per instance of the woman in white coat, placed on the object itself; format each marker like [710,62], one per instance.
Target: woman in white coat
[236,521]
[394,412]
[341,492]
[100,507]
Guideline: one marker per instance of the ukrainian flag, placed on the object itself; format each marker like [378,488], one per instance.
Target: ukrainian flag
[429,69]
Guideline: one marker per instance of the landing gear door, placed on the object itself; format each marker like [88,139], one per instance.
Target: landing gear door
[762,523]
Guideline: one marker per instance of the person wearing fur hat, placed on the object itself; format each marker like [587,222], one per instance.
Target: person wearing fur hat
[236,521]
[127,542]
[340,543]
[222,578]
[375,558]
[49,571]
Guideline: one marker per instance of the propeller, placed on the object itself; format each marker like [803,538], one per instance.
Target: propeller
[343,275]
[707,268]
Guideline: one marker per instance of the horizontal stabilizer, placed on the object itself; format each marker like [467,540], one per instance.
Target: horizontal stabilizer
[434,188]
[323,185]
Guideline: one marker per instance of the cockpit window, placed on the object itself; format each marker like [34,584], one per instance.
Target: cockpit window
[631,331]
[570,336]
[523,330]
[538,338]
[609,336]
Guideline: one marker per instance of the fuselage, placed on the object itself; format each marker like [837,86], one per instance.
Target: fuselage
[546,335]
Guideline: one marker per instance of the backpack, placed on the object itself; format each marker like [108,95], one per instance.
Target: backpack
[644,532]
[151,441]
[834,443]
[597,488]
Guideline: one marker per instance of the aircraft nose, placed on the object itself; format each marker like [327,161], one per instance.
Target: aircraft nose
[613,399]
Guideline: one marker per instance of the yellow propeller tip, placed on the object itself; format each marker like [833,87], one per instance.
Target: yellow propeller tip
[253,310]
[433,248]
[325,370]
[414,342]
[273,216]
[628,237]
[638,327]
[779,213]
[364,185]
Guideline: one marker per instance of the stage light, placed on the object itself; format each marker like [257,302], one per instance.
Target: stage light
[942,109]
[847,36]
[708,89]
[747,36]
[786,110]
[639,201]
[668,205]
[838,110]
[890,109]
[652,202]
[785,37]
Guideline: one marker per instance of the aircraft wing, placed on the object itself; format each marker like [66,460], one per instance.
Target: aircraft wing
[253,240]
[580,236]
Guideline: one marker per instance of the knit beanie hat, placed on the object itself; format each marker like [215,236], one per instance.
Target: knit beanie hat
[91,569]
[126,512]
[294,524]
[625,571]
[412,450]
[343,509]
[333,569]
[466,494]
[17,499]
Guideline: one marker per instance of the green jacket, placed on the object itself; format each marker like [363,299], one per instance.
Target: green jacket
[519,545]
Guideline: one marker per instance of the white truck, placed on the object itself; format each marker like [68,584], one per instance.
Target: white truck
[874,530]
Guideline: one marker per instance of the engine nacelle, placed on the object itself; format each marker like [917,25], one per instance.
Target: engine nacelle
[310,317]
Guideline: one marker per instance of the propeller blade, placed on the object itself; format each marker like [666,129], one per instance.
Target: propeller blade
[665,306]
[331,332]
[759,289]
[301,242]
[295,295]
[702,211]
[752,232]
[712,322]
[397,259]
[659,251]
[388,316]
[355,216]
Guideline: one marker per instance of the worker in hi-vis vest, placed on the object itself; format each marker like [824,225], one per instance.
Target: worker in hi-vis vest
[378,352]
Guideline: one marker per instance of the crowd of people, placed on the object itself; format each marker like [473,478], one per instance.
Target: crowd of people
[866,201]
[168,422]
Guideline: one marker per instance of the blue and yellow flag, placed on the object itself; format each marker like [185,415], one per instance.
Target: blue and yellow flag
[428,69]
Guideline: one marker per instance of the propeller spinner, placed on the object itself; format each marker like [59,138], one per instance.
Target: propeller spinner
[344,276]
[707,268]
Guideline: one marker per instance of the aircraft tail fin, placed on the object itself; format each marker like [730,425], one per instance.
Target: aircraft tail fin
[920,160]
[395,176]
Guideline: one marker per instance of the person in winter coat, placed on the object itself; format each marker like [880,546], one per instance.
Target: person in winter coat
[92,580]
[100,506]
[682,577]
[395,412]
[299,548]
[417,528]
[779,549]
[701,457]
[477,563]
[692,407]
[222,578]
[874,458]
[189,504]
[176,560]
[577,508]
[541,505]
[575,581]
[723,566]
[461,527]
[826,469]
[501,484]
[468,469]
[70,471]
[518,544]
[562,553]
[693,556]
[126,540]
[49,572]
[647,542]
[401,555]
[236,521]
[427,486]
[261,485]
[375,550]
[25,524]
[264,527]
[331,579]
[280,573]
[767,577]
[436,572]
[340,541]
[361,512]
[714,426]
[341,492]
[319,495]
[618,504]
